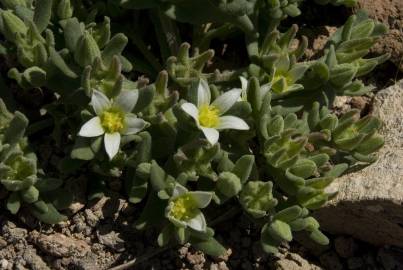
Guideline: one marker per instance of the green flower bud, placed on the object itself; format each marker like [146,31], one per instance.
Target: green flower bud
[229,184]
[257,199]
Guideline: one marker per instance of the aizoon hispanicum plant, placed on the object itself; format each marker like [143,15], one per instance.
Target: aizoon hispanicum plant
[258,136]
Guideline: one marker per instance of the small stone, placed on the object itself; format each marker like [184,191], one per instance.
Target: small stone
[195,259]
[359,102]
[84,263]
[226,256]
[331,261]
[110,238]
[293,261]
[355,263]
[14,234]
[59,245]
[345,246]
[91,218]
[33,260]
[108,207]
[3,242]
[4,264]
[222,266]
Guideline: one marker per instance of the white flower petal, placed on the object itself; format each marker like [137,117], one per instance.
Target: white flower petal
[178,190]
[112,143]
[99,102]
[224,102]
[211,134]
[232,122]
[203,93]
[244,83]
[198,223]
[127,99]
[133,124]
[92,128]
[192,110]
[202,198]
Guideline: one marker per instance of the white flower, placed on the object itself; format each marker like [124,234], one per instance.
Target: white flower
[114,118]
[209,117]
[184,206]
[244,85]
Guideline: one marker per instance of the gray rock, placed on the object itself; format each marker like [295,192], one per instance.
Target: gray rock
[293,261]
[33,260]
[369,203]
[110,238]
[59,245]
[3,242]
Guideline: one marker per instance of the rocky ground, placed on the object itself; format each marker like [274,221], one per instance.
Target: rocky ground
[95,239]
[99,234]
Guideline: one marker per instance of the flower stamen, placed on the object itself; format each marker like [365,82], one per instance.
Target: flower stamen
[183,208]
[112,121]
[209,116]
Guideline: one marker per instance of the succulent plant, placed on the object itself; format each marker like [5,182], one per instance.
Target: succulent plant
[19,177]
[186,143]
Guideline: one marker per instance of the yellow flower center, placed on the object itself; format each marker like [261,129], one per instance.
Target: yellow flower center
[112,121]
[209,116]
[182,207]
[278,76]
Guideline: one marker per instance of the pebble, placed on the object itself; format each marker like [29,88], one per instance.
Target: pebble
[4,264]
[3,242]
[110,238]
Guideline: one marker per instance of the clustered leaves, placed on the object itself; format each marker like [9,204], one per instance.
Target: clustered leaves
[186,140]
